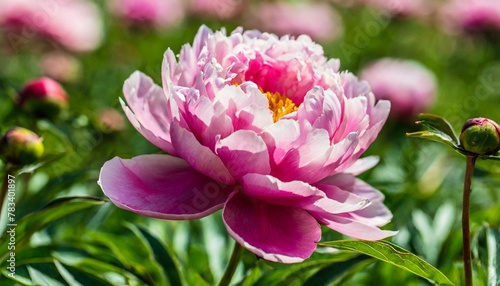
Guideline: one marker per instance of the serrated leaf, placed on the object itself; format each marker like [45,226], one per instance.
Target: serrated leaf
[55,210]
[438,124]
[392,254]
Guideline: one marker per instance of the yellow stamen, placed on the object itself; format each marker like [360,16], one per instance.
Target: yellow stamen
[280,105]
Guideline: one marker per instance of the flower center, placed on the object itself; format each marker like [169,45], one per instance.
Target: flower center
[280,105]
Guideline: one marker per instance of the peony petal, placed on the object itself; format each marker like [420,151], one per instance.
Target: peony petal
[161,186]
[147,110]
[244,152]
[362,165]
[276,233]
[353,228]
[271,190]
[200,157]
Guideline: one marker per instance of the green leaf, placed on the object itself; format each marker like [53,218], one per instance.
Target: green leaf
[438,124]
[392,254]
[487,249]
[434,136]
[36,221]
[163,257]
[42,279]
[338,272]
[66,275]
[286,274]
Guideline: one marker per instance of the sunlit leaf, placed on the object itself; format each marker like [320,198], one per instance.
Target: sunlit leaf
[39,278]
[487,249]
[434,136]
[392,254]
[438,124]
[65,274]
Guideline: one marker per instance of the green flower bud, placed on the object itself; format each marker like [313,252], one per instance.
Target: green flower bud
[20,146]
[43,97]
[480,136]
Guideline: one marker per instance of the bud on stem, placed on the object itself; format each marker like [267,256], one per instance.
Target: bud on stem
[480,136]
[20,146]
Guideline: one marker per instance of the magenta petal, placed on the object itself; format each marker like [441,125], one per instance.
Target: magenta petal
[276,233]
[161,186]
[244,152]
[354,228]
[147,110]
[271,190]
[200,157]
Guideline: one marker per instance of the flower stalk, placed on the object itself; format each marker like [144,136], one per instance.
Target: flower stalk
[471,160]
[233,263]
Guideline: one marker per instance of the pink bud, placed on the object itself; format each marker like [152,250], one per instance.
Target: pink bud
[43,97]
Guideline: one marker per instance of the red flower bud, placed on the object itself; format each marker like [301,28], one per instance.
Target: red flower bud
[43,97]
[480,136]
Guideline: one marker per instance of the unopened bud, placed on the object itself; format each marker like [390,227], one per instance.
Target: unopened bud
[480,136]
[43,97]
[20,146]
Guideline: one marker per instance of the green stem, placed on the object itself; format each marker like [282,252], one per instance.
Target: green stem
[471,160]
[233,263]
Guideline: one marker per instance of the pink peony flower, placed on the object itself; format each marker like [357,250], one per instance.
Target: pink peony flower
[161,13]
[402,8]
[263,127]
[471,15]
[76,24]
[409,85]
[221,9]
[295,19]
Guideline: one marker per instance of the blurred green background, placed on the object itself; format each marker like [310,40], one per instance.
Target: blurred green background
[103,245]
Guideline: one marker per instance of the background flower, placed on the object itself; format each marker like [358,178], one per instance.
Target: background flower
[318,20]
[162,13]
[75,24]
[409,85]
[264,127]
[471,15]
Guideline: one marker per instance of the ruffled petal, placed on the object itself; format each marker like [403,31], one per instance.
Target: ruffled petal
[161,186]
[147,110]
[244,152]
[200,157]
[274,232]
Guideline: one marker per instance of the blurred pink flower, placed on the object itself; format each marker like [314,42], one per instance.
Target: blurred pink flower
[409,85]
[221,9]
[264,127]
[75,24]
[161,13]
[295,19]
[404,8]
[60,66]
[471,15]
